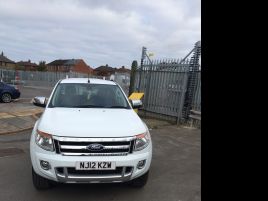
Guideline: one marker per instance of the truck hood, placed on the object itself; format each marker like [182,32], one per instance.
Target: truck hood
[91,122]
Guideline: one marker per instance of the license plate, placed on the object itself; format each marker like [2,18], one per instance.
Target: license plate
[95,165]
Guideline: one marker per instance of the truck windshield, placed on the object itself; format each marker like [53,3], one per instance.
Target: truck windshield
[79,95]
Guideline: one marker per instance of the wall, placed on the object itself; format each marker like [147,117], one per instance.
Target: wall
[8,65]
[82,67]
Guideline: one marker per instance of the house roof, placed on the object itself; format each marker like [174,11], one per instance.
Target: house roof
[26,63]
[63,62]
[72,61]
[123,70]
[105,68]
[5,59]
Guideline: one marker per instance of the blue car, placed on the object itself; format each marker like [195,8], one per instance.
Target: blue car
[7,93]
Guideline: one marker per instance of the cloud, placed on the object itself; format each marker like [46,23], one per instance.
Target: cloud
[101,32]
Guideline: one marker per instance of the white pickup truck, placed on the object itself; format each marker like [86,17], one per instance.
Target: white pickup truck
[89,133]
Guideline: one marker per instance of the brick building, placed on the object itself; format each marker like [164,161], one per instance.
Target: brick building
[69,65]
[108,70]
[27,65]
[104,70]
[6,63]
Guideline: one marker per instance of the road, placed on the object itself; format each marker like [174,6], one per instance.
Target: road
[30,92]
[175,173]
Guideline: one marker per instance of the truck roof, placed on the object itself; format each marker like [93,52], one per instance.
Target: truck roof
[85,80]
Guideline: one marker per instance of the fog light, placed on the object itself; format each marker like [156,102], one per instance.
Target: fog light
[45,165]
[141,164]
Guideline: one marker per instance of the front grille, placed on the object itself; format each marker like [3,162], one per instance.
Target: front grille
[79,146]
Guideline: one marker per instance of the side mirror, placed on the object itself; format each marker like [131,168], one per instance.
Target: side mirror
[40,101]
[136,104]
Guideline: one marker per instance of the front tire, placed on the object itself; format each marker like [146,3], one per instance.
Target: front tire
[40,183]
[6,98]
[140,181]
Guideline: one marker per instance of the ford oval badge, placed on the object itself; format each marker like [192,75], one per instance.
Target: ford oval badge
[95,147]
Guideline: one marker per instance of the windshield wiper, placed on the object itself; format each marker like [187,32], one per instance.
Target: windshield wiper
[118,106]
[89,106]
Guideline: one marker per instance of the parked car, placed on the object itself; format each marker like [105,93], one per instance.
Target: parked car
[8,92]
[89,133]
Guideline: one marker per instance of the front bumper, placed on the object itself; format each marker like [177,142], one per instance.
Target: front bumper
[128,165]
[66,177]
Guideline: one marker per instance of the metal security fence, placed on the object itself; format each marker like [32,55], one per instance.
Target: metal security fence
[49,79]
[35,78]
[163,84]
[196,103]
[7,75]
[172,87]
[123,79]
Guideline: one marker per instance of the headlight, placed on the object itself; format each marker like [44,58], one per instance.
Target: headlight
[44,140]
[142,141]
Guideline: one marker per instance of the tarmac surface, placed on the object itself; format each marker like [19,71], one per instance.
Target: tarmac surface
[175,173]
[21,114]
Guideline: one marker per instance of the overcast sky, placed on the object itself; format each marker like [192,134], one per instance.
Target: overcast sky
[100,32]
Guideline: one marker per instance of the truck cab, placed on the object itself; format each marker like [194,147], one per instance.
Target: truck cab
[89,133]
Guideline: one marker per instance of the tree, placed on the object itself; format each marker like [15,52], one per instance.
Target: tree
[134,67]
[42,66]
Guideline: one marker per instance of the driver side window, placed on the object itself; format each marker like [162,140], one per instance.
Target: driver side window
[119,97]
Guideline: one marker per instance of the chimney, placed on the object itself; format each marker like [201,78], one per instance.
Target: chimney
[2,54]
[29,61]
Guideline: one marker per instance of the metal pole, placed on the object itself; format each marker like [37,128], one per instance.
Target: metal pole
[1,75]
[141,67]
[148,84]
